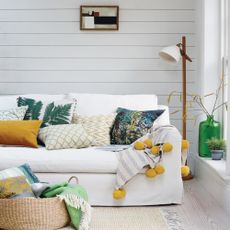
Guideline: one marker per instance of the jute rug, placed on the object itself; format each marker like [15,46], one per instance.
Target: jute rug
[134,218]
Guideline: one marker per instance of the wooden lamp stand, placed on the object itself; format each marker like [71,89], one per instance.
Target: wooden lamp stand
[173,54]
[185,58]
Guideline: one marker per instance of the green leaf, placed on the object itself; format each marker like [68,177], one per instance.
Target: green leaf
[216,144]
[46,117]
[34,108]
[56,115]
[36,111]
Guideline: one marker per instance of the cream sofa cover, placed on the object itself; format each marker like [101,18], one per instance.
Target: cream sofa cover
[96,168]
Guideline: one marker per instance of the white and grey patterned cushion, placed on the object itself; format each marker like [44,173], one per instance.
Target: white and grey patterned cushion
[98,127]
[65,137]
[13,114]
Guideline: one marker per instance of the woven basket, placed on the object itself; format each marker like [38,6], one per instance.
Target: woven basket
[33,214]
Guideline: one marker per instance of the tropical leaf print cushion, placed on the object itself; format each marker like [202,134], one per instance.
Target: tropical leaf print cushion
[52,113]
[130,125]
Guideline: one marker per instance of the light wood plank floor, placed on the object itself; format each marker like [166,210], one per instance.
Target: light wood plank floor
[199,210]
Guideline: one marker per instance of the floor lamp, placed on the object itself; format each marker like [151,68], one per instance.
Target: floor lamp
[173,54]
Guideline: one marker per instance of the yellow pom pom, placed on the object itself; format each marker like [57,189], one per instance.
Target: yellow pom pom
[148,143]
[123,192]
[119,194]
[159,169]
[185,171]
[150,173]
[184,144]
[167,147]
[155,149]
[139,145]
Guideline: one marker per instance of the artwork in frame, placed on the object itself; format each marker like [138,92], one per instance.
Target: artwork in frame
[99,17]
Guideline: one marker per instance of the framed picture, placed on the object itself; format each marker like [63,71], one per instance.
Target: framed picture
[99,17]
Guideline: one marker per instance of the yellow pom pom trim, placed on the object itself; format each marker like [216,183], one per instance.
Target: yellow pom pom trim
[139,145]
[155,149]
[123,193]
[150,173]
[159,169]
[148,143]
[119,194]
[185,171]
[184,144]
[167,147]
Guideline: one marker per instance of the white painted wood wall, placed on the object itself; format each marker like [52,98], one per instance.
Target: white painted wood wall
[42,49]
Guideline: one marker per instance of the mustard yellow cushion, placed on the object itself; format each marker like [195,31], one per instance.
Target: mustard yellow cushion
[23,133]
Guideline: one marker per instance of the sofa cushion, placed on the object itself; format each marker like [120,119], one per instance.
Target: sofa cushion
[17,186]
[13,114]
[22,133]
[9,102]
[96,104]
[91,160]
[131,125]
[98,127]
[65,137]
[50,112]
[23,170]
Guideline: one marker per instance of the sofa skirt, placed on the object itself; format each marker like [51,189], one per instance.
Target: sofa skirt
[140,190]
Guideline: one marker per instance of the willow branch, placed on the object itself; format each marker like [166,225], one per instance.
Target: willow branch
[217,96]
[198,100]
[217,107]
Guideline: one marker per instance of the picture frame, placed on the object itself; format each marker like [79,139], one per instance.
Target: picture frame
[99,17]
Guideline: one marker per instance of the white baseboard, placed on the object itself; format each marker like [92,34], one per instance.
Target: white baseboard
[217,185]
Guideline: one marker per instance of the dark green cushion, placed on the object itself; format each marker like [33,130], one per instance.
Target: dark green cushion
[130,125]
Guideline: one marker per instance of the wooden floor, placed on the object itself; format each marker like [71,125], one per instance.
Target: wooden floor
[199,210]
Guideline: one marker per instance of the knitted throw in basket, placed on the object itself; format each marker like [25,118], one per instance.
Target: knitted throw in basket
[76,200]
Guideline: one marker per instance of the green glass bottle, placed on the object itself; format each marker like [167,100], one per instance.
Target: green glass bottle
[208,129]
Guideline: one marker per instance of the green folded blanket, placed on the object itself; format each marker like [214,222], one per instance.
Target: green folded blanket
[76,200]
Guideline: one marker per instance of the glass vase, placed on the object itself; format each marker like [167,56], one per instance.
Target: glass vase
[208,129]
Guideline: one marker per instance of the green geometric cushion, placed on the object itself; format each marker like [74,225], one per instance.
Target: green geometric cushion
[52,113]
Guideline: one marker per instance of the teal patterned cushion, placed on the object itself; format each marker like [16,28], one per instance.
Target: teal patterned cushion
[23,170]
[130,125]
[51,113]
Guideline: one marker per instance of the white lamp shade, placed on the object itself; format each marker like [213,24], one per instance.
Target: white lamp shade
[170,54]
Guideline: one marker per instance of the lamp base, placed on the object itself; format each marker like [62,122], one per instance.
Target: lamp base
[189,177]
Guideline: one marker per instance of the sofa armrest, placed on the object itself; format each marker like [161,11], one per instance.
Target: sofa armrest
[164,118]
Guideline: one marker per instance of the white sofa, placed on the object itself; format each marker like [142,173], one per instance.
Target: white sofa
[96,169]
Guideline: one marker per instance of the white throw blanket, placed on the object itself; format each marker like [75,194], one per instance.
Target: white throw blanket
[132,161]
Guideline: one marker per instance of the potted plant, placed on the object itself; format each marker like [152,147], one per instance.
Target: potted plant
[210,127]
[217,148]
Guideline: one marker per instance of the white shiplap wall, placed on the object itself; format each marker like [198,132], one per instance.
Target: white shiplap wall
[42,49]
